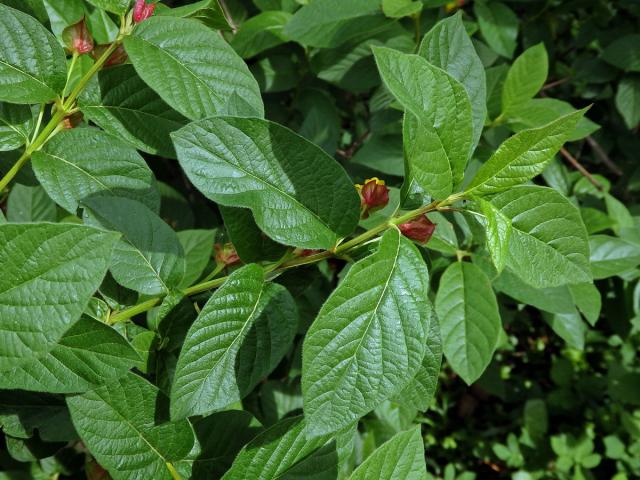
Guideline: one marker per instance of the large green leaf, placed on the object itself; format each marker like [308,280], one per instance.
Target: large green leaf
[16,124]
[612,256]
[198,247]
[49,272]
[524,79]
[121,425]
[523,156]
[369,339]
[239,337]
[192,68]
[329,23]
[448,46]
[30,204]
[88,354]
[148,258]
[420,391]
[284,179]
[499,26]
[548,245]
[624,53]
[400,458]
[272,453]
[628,100]
[32,62]
[469,319]
[441,105]
[122,104]
[85,162]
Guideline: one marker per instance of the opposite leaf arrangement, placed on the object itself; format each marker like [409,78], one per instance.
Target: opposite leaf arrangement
[128,325]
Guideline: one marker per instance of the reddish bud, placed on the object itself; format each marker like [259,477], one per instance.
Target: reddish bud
[226,254]
[306,252]
[72,121]
[374,195]
[77,38]
[95,472]
[419,229]
[142,10]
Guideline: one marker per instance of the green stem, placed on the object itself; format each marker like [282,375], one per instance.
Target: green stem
[172,470]
[74,58]
[214,272]
[130,312]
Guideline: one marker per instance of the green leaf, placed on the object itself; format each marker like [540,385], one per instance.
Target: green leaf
[198,247]
[16,124]
[119,7]
[469,319]
[401,8]
[82,163]
[524,79]
[120,425]
[612,256]
[369,339]
[329,23]
[569,327]
[273,452]
[540,111]
[448,46]
[548,245]
[49,272]
[32,62]
[239,337]
[498,25]
[101,26]
[192,68]
[123,105]
[498,228]
[523,156]
[30,204]
[260,33]
[419,392]
[628,100]
[88,354]
[624,53]
[208,12]
[250,243]
[148,258]
[440,104]
[281,177]
[400,458]
[587,298]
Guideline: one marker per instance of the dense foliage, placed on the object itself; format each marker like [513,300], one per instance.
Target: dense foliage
[319,239]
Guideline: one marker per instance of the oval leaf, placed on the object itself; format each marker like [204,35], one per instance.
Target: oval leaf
[284,179]
[548,245]
[49,272]
[369,338]
[239,337]
[469,319]
[192,68]
[81,163]
[33,66]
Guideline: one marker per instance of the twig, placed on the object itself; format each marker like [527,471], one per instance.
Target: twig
[350,151]
[227,14]
[602,155]
[555,83]
[572,160]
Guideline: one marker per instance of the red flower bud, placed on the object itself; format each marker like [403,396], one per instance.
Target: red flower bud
[77,38]
[374,195]
[306,252]
[419,229]
[226,254]
[142,10]
[72,121]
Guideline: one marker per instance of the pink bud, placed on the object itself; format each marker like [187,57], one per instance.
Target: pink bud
[419,229]
[77,38]
[142,10]
[374,195]
[226,254]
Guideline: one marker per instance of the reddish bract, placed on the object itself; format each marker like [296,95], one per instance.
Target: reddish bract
[77,38]
[142,10]
[374,195]
[420,229]
[226,254]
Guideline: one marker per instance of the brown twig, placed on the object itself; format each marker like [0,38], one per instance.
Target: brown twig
[602,155]
[555,83]
[578,166]
[350,151]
